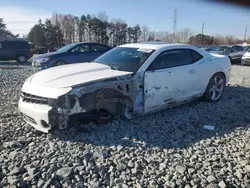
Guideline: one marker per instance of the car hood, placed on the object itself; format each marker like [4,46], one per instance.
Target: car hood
[57,81]
[46,55]
[217,52]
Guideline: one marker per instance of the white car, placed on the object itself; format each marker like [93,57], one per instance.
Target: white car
[245,60]
[130,80]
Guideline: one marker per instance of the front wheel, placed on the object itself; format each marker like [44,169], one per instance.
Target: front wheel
[215,88]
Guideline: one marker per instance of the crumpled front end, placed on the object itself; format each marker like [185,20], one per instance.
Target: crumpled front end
[52,102]
[39,106]
[36,115]
[41,113]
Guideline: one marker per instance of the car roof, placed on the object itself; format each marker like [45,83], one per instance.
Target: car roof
[12,40]
[230,46]
[152,45]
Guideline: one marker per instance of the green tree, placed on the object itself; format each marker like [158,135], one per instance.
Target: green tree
[82,28]
[50,34]
[201,39]
[37,35]
[136,33]
[59,36]
[4,32]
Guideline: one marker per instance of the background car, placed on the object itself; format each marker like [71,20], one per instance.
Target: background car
[246,48]
[234,52]
[245,60]
[14,49]
[72,53]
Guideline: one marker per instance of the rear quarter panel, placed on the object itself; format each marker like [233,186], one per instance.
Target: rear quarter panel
[206,68]
[220,63]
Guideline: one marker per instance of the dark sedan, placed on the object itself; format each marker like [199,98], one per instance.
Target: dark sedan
[72,53]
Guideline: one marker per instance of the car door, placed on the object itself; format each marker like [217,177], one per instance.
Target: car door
[241,51]
[97,50]
[234,53]
[171,78]
[7,51]
[79,54]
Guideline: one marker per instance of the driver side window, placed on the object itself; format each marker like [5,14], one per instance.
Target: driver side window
[81,48]
[172,58]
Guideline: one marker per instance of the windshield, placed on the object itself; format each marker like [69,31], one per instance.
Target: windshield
[125,59]
[222,48]
[66,48]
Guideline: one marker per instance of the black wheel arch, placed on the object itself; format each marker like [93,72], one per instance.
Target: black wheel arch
[59,60]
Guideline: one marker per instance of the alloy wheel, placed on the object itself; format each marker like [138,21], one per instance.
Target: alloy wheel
[216,87]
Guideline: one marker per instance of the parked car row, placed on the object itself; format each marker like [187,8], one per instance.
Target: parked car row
[21,50]
[236,53]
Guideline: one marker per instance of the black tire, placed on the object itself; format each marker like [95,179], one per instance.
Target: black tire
[21,59]
[207,95]
[58,63]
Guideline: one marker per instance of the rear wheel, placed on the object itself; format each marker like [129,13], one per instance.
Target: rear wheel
[215,87]
[21,59]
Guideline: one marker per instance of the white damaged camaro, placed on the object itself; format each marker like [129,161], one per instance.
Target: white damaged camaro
[130,80]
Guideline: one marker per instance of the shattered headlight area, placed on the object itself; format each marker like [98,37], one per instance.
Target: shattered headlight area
[52,102]
[65,102]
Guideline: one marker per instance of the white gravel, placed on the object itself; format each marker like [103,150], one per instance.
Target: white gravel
[169,148]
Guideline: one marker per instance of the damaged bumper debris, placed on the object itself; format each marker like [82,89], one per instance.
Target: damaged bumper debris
[80,106]
[45,114]
[39,113]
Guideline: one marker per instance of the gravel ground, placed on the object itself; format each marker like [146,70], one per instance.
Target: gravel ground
[166,149]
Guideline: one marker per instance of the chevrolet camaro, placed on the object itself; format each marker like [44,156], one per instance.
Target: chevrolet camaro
[130,80]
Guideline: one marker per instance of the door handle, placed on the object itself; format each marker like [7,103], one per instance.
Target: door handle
[192,71]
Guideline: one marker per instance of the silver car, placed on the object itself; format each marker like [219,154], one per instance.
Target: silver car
[234,52]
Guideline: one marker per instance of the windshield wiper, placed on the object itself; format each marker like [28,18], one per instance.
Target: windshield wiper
[114,67]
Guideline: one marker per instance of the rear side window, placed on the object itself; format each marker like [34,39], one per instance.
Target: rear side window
[15,45]
[99,48]
[234,49]
[0,45]
[240,48]
[82,48]
[196,56]
[7,45]
[22,45]
[175,58]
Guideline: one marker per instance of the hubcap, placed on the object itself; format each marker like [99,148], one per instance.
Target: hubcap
[22,59]
[216,88]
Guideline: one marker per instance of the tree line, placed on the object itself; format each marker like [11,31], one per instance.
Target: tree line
[63,29]
[4,33]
